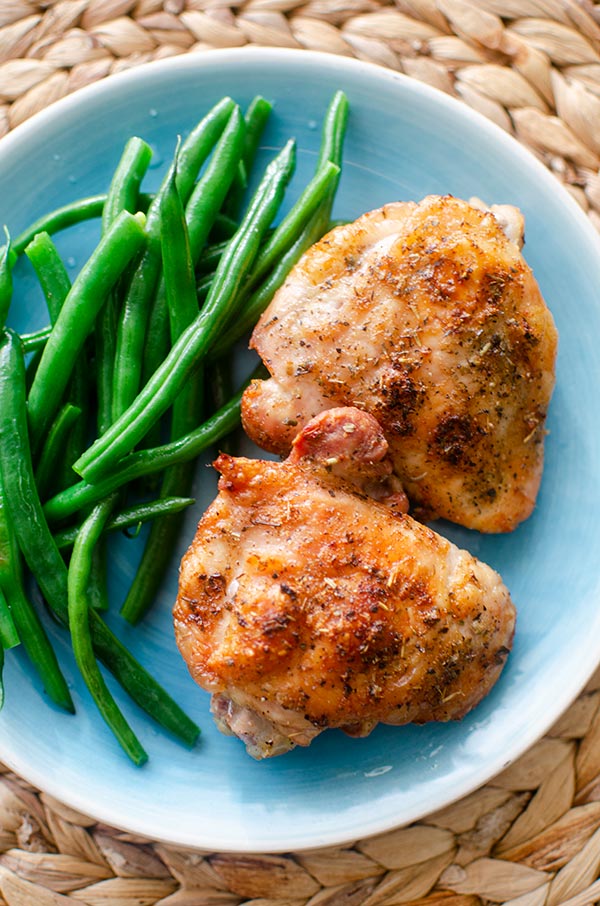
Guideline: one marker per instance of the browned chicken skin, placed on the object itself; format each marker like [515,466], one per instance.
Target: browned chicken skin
[427,316]
[304,603]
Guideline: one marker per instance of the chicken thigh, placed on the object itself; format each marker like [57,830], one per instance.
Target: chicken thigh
[427,316]
[309,599]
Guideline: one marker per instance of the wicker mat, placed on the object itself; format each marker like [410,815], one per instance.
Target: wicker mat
[532,835]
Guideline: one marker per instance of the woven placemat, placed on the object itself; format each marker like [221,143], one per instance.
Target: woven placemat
[532,835]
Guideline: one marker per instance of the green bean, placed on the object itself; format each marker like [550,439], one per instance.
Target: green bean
[77,316]
[51,273]
[256,117]
[54,281]
[147,462]
[188,351]
[43,557]
[123,195]
[179,282]
[251,311]
[28,624]
[156,349]
[141,685]
[209,193]
[178,268]
[131,334]
[79,626]
[97,586]
[2,694]
[105,349]
[56,285]
[6,282]
[123,192]
[332,145]
[79,395]
[334,130]
[132,516]
[290,227]
[37,645]
[180,285]
[54,447]
[199,143]
[68,215]
[9,637]
[60,219]
[33,342]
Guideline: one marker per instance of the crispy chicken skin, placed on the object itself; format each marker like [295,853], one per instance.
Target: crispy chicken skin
[305,603]
[427,316]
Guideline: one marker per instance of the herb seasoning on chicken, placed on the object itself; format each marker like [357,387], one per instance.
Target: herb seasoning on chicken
[309,599]
[427,316]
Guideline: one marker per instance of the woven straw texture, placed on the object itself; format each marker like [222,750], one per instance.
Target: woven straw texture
[532,835]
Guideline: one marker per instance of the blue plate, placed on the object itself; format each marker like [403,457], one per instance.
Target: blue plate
[404,141]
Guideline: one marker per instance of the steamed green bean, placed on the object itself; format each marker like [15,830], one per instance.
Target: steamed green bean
[76,318]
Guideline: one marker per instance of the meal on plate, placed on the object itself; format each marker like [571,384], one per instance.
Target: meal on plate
[412,361]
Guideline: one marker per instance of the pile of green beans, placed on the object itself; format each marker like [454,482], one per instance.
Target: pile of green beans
[138,349]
